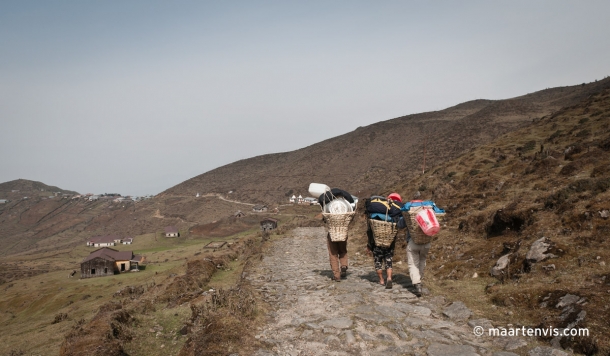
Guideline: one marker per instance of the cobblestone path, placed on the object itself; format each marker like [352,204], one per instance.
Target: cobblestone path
[316,316]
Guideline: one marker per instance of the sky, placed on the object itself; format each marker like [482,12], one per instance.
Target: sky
[134,97]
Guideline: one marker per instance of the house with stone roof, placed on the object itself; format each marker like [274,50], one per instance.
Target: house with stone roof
[268,224]
[107,262]
[259,208]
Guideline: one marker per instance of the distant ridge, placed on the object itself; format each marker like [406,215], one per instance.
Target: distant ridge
[24,185]
[376,156]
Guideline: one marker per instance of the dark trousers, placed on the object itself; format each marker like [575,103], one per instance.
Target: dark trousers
[337,254]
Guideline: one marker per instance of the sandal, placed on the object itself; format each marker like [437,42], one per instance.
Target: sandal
[388,284]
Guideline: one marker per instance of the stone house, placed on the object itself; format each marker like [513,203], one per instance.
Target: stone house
[107,262]
[259,208]
[268,224]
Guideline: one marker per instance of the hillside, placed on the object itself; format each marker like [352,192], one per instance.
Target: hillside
[38,225]
[19,188]
[363,161]
[549,180]
[370,157]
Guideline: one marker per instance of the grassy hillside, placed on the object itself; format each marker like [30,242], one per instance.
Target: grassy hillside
[39,299]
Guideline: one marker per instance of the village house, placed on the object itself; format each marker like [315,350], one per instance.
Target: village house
[107,261]
[268,224]
[171,231]
[310,201]
[127,241]
[259,208]
[4,201]
[239,214]
[301,200]
[104,241]
[94,197]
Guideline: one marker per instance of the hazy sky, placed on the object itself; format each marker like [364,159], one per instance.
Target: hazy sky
[137,96]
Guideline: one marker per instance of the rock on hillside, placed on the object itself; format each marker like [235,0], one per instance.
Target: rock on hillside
[369,158]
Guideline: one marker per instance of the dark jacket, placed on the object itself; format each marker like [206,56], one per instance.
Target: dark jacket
[384,206]
[334,193]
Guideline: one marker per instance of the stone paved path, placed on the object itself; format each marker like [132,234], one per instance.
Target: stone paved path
[316,316]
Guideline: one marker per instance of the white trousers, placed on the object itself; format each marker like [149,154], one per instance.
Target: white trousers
[416,256]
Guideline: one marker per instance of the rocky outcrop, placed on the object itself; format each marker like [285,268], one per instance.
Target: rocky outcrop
[500,269]
[538,252]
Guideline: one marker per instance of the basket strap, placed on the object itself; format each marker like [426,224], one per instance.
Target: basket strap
[324,201]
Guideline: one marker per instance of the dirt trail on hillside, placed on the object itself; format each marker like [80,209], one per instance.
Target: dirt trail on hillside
[219,196]
[313,315]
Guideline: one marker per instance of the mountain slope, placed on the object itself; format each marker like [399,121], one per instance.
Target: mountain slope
[23,187]
[549,180]
[370,157]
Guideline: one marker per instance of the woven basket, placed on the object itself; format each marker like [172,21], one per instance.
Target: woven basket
[336,225]
[384,233]
[417,235]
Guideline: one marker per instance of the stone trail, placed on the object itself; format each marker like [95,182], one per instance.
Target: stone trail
[316,316]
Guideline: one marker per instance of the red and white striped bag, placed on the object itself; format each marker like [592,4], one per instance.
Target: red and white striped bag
[426,219]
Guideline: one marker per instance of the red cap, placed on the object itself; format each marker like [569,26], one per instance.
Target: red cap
[395,197]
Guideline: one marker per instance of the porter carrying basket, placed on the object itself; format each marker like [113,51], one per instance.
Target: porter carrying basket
[417,235]
[336,225]
[384,232]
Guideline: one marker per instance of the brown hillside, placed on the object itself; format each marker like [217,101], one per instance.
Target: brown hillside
[366,159]
[550,179]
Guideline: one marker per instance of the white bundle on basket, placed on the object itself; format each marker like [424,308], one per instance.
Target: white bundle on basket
[338,206]
[337,213]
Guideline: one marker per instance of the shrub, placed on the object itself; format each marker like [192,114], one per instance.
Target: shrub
[527,147]
[555,135]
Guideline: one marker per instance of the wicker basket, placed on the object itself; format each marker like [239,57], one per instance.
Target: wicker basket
[384,233]
[417,235]
[336,225]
